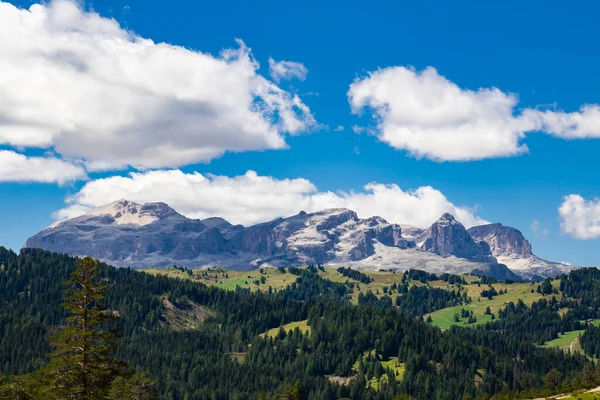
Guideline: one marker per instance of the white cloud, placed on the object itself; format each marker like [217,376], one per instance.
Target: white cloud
[358,129]
[16,167]
[250,198]
[430,116]
[339,128]
[580,218]
[576,125]
[284,70]
[419,207]
[537,228]
[79,83]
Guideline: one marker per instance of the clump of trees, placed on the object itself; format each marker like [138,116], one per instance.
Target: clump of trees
[489,293]
[356,275]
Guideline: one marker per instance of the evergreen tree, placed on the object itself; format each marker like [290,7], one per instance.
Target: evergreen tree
[81,366]
[137,387]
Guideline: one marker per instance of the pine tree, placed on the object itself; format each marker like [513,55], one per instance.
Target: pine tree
[81,366]
[136,387]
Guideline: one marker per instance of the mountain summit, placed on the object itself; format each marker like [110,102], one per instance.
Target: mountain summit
[125,233]
[448,237]
[510,247]
[124,212]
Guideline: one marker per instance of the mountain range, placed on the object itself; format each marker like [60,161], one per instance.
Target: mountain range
[125,233]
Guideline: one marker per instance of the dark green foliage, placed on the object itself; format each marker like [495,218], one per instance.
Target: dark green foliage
[420,300]
[546,287]
[309,285]
[81,365]
[453,279]
[137,387]
[489,292]
[15,330]
[590,341]
[198,363]
[487,280]
[421,276]
[354,274]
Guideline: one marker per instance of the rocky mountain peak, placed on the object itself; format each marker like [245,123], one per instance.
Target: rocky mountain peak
[448,237]
[125,212]
[216,222]
[503,240]
[126,233]
[224,226]
[447,217]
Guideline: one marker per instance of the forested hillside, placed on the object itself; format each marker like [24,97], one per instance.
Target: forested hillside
[204,342]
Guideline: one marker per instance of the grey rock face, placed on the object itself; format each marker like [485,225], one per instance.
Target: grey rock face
[155,235]
[127,233]
[227,230]
[448,237]
[503,240]
[510,247]
[124,233]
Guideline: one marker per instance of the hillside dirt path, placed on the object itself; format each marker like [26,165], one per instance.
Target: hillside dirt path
[566,396]
[573,344]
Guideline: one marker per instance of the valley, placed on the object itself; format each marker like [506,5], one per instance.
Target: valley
[272,280]
[328,332]
[299,201]
[484,309]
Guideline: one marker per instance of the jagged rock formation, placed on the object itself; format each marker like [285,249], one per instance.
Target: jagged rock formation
[154,235]
[510,247]
[226,229]
[503,240]
[126,233]
[448,237]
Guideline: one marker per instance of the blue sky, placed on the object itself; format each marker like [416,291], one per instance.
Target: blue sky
[542,52]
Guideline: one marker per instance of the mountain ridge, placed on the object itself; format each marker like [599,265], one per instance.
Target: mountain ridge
[125,233]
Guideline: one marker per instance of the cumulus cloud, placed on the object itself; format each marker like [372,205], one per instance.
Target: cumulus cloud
[576,125]
[15,167]
[250,198]
[419,207]
[429,116]
[79,83]
[284,70]
[580,218]
[538,229]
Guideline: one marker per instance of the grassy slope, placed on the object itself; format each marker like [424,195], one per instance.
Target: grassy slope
[445,318]
[397,367]
[228,280]
[579,395]
[381,279]
[442,318]
[302,325]
[569,341]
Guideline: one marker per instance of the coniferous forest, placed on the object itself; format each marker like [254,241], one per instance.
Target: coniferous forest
[228,356]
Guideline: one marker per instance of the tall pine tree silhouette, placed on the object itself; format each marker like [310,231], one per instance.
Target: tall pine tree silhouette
[81,366]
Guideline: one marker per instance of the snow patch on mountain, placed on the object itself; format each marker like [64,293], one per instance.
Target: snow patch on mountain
[120,212]
[534,268]
[510,248]
[393,258]
[125,233]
